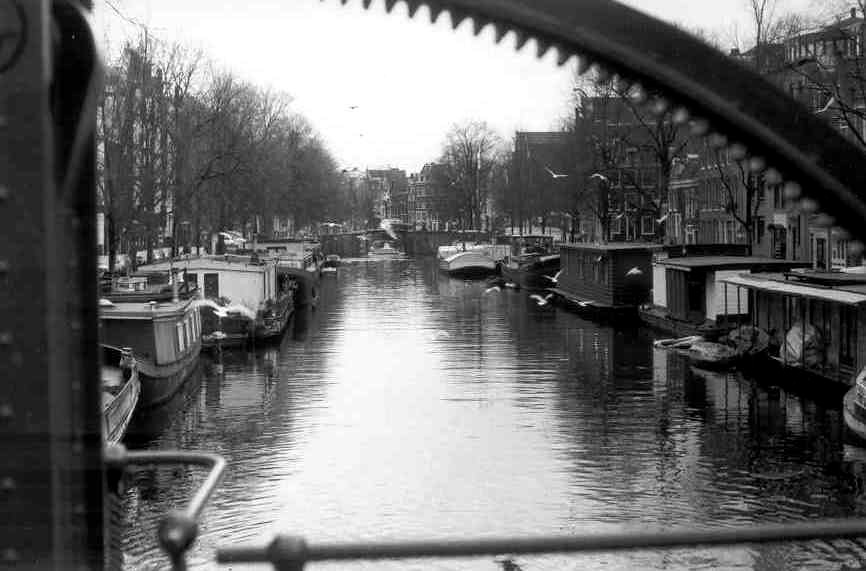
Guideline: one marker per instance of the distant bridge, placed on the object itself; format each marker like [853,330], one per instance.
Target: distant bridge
[414,243]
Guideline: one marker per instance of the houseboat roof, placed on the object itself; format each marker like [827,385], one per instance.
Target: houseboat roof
[689,263]
[612,246]
[778,284]
[142,310]
[224,262]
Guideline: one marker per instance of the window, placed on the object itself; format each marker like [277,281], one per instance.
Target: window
[211,286]
[778,196]
[847,335]
[186,331]
[616,224]
[180,338]
[760,227]
[646,225]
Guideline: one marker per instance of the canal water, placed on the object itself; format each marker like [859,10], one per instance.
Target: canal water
[411,405]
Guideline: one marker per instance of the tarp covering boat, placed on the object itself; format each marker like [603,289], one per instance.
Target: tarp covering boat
[803,347]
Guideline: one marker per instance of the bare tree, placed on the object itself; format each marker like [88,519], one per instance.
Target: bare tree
[470,153]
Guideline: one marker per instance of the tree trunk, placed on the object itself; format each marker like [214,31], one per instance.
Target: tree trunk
[111,239]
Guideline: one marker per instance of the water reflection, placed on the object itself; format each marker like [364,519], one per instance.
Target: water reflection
[410,404]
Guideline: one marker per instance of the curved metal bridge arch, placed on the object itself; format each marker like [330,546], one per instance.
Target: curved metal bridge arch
[54,469]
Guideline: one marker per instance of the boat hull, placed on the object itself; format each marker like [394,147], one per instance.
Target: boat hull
[531,275]
[118,407]
[593,310]
[274,325]
[657,318]
[160,382]
[468,264]
[853,415]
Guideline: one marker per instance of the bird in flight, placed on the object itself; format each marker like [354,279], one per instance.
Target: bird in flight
[662,219]
[492,289]
[542,301]
[353,106]
[598,176]
[554,174]
[554,278]
[635,271]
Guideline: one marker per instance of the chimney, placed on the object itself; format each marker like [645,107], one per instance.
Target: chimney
[853,12]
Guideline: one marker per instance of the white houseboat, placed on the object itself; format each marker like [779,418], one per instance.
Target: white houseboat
[249,298]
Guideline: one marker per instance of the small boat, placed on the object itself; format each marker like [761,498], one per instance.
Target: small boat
[854,407]
[332,262]
[120,391]
[711,355]
[471,263]
[383,250]
[678,342]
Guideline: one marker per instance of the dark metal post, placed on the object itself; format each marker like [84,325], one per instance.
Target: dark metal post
[51,470]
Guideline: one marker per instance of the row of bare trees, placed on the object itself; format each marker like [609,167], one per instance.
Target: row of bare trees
[186,150]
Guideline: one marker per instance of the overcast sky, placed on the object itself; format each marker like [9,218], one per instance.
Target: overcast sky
[409,80]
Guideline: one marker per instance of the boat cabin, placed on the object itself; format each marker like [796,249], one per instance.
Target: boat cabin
[613,276]
[529,244]
[816,320]
[246,280]
[688,291]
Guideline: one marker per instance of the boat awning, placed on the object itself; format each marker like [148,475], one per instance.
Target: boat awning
[799,290]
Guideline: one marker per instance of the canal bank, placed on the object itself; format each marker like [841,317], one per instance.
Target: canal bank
[410,404]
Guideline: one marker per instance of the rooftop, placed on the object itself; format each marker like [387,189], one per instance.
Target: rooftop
[613,246]
[787,283]
[730,262]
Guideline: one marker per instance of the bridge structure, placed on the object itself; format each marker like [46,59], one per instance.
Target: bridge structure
[412,242]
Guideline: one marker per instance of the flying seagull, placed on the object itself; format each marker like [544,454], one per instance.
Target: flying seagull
[555,278]
[826,107]
[635,271]
[598,176]
[662,219]
[492,289]
[554,174]
[542,301]
[353,106]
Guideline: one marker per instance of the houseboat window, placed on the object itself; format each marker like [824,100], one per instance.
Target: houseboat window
[211,286]
[646,223]
[180,338]
[192,280]
[847,335]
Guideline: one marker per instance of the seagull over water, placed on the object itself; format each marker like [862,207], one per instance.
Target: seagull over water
[542,301]
[492,289]
[555,278]
[554,174]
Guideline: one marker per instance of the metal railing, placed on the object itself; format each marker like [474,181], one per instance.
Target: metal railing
[179,528]
[291,553]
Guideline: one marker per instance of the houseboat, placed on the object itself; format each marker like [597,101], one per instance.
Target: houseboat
[248,299]
[688,297]
[607,280]
[816,322]
[533,262]
[120,391]
[164,335]
[299,261]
